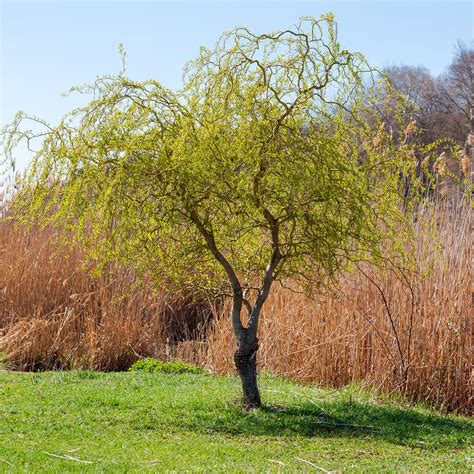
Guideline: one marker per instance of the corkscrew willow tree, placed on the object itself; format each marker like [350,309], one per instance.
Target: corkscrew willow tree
[268,165]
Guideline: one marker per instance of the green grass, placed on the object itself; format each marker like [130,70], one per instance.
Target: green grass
[144,422]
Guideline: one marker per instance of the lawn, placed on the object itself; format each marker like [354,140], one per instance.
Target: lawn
[141,422]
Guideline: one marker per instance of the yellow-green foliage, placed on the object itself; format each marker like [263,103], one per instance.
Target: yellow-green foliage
[272,142]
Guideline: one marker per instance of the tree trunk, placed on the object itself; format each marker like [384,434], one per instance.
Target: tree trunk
[245,359]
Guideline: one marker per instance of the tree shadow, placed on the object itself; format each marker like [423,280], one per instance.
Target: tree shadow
[405,426]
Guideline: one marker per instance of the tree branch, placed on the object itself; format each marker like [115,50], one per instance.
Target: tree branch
[238,299]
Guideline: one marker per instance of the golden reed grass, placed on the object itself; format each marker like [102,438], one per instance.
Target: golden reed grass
[55,315]
[413,338]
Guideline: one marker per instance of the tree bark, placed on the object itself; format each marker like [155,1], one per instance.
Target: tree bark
[245,359]
[245,356]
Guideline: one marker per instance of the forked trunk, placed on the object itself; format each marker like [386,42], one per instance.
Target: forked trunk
[245,356]
[245,359]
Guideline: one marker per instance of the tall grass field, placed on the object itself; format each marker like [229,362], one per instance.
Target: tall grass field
[410,335]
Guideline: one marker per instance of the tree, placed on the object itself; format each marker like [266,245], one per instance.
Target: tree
[262,168]
[457,86]
[430,111]
[441,106]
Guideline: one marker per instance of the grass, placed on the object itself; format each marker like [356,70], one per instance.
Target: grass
[144,422]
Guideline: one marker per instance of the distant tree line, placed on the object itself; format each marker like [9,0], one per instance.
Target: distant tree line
[441,104]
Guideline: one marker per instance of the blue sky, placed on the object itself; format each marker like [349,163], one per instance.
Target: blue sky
[46,47]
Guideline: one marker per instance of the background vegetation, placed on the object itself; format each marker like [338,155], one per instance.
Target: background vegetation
[378,329]
[56,316]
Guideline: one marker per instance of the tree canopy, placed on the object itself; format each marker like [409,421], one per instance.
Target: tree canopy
[270,163]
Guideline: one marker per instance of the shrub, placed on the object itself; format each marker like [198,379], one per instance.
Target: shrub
[152,365]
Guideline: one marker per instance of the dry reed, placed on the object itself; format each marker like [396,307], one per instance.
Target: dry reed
[54,315]
[413,338]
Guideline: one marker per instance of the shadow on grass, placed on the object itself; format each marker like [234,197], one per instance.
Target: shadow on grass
[407,426]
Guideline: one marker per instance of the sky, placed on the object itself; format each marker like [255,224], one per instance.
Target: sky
[47,47]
